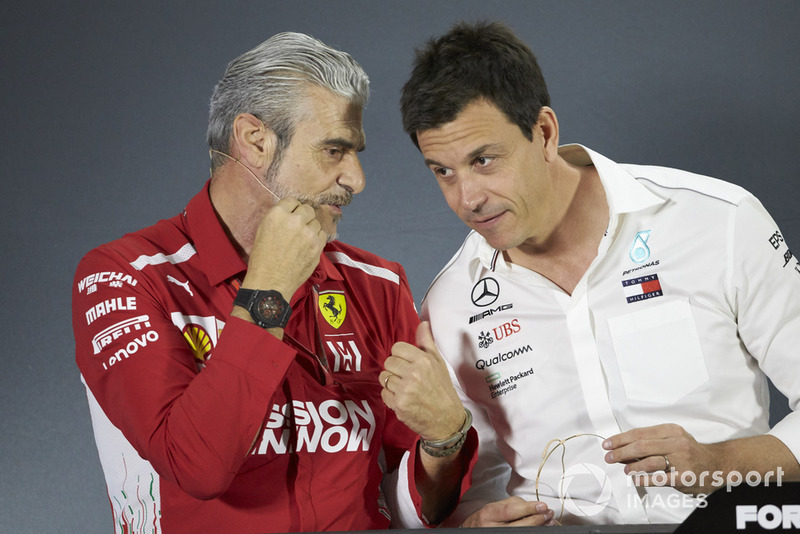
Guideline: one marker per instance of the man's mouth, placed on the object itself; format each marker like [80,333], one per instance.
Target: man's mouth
[487,220]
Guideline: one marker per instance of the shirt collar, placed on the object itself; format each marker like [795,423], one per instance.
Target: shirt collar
[218,258]
[623,192]
[326,270]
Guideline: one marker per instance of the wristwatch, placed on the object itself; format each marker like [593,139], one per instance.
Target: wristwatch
[267,308]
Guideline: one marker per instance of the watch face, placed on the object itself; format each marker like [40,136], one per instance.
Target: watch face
[269,308]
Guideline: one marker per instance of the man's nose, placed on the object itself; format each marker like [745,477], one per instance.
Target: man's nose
[352,176]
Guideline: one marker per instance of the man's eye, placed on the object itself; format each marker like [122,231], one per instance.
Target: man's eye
[483,161]
[442,172]
[334,152]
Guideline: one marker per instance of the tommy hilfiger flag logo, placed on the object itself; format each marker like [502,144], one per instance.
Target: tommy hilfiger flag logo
[642,288]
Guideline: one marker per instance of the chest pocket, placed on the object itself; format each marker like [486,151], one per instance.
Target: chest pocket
[658,352]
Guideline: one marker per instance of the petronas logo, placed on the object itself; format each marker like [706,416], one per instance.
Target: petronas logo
[639,250]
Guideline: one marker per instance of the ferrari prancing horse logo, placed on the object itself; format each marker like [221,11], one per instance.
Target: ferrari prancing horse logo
[333,307]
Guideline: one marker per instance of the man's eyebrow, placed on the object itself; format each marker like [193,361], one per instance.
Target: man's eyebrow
[432,163]
[481,150]
[472,155]
[348,144]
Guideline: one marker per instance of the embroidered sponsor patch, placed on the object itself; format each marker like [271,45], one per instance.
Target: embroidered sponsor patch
[639,251]
[333,306]
[200,333]
[642,288]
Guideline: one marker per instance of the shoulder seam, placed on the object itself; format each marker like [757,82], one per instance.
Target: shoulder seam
[449,264]
[693,190]
[372,270]
[181,255]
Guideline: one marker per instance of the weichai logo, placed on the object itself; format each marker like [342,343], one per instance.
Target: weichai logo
[113,279]
[329,426]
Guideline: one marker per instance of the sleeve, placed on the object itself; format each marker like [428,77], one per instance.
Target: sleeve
[195,429]
[490,473]
[399,485]
[766,283]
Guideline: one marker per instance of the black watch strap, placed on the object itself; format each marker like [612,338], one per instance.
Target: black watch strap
[268,308]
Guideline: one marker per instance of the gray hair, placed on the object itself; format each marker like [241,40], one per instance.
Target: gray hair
[269,82]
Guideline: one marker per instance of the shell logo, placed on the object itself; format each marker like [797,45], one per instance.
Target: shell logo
[199,341]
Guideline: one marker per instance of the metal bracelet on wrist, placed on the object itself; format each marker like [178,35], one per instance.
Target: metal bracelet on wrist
[451,444]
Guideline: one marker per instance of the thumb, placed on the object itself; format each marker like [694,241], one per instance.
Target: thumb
[425,339]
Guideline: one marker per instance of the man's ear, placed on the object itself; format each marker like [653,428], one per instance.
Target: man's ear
[252,142]
[548,125]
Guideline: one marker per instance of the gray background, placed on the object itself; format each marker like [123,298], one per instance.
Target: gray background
[103,118]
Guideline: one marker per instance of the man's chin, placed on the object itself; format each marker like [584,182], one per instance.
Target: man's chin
[331,228]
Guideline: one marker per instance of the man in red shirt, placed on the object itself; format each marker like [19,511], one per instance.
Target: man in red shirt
[245,371]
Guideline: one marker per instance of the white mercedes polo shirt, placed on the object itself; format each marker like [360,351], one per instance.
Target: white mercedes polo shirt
[693,299]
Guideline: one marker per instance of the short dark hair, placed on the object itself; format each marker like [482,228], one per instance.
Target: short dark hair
[483,60]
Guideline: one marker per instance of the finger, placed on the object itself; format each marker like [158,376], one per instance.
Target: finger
[637,434]
[384,378]
[396,365]
[305,211]
[314,225]
[650,464]
[388,398]
[405,352]
[515,511]
[289,204]
[424,338]
[642,449]
[534,520]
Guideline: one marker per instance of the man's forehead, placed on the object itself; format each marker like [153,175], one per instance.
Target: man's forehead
[346,130]
[457,136]
[479,124]
[332,119]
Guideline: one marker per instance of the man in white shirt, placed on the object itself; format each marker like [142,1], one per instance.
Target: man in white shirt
[611,327]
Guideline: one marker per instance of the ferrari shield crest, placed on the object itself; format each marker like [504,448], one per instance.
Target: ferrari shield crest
[333,307]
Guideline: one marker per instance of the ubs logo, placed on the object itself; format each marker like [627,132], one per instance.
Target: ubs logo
[485,292]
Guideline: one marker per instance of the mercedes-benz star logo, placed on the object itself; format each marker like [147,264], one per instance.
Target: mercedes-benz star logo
[485,292]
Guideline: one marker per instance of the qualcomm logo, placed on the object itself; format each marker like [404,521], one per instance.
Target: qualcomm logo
[485,292]
[591,476]
[639,250]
